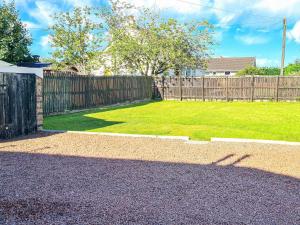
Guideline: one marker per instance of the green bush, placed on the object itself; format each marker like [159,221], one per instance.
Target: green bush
[264,71]
[293,69]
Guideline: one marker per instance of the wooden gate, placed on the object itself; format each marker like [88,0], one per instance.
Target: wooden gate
[17,104]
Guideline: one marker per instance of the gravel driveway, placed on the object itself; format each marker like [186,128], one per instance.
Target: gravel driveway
[92,179]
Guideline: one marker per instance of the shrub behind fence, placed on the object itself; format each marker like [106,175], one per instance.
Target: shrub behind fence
[67,91]
[248,88]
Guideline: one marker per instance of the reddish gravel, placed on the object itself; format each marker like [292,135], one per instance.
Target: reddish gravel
[91,179]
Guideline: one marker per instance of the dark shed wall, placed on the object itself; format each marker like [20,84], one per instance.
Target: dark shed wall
[17,104]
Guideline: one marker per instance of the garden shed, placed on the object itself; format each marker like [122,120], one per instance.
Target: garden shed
[21,109]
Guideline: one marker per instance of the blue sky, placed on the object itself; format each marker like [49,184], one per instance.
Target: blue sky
[243,27]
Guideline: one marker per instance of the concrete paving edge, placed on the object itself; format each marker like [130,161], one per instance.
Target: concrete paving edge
[240,140]
[186,139]
[182,138]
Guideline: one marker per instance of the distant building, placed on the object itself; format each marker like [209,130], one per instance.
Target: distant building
[228,66]
[215,67]
[35,65]
[220,67]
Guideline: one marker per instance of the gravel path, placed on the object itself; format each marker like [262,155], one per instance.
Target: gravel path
[92,179]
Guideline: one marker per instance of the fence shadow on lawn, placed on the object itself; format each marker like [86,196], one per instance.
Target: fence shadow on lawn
[42,188]
[86,123]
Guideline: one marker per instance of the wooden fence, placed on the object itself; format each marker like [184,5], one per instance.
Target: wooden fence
[248,88]
[66,91]
[17,104]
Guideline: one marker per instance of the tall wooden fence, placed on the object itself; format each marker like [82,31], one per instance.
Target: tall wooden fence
[17,104]
[66,91]
[249,88]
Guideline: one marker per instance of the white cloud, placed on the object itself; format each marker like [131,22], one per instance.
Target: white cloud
[31,25]
[265,62]
[263,14]
[218,36]
[256,13]
[45,41]
[184,7]
[226,20]
[251,40]
[79,3]
[294,34]
[288,7]
[226,10]
[43,12]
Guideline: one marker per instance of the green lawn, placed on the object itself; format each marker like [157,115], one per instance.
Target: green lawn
[199,120]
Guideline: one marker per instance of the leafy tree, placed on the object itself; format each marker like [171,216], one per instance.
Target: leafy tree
[77,40]
[151,45]
[14,38]
[293,69]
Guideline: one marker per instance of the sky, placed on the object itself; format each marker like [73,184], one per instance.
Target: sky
[242,27]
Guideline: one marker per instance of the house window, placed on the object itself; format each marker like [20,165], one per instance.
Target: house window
[227,73]
[214,73]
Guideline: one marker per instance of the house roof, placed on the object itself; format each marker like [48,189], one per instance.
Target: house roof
[34,64]
[230,64]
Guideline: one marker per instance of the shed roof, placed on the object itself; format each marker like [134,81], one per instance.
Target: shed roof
[3,63]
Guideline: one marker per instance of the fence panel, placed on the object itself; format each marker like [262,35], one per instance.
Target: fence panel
[248,88]
[68,91]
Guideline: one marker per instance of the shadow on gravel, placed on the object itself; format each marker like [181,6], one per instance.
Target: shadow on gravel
[26,137]
[57,189]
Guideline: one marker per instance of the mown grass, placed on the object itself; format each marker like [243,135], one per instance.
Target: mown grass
[199,120]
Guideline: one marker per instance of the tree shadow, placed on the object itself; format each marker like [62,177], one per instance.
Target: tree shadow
[77,123]
[58,189]
[38,135]
[106,109]
[82,122]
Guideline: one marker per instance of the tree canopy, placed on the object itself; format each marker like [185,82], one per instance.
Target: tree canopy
[130,39]
[293,68]
[144,42]
[77,40]
[14,38]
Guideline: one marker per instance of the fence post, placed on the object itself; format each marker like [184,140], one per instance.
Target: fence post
[252,88]
[87,91]
[163,87]
[203,90]
[241,87]
[277,88]
[227,89]
[180,87]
